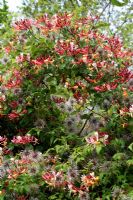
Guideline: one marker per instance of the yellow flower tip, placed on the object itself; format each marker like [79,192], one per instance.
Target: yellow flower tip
[97,142]
[97,178]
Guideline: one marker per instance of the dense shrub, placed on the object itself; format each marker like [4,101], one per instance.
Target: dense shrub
[66,112]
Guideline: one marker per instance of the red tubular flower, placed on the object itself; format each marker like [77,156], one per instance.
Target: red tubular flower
[56,21]
[13,115]
[77,95]
[106,87]
[24,139]
[3,141]
[22,197]
[88,79]
[90,179]
[47,176]
[97,138]
[22,58]
[54,178]
[23,24]
[8,49]
[73,188]
[125,75]
[124,111]
[58,99]
[2,98]
[80,84]
[62,20]
[15,80]
[42,60]
[100,88]
[6,151]
[14,104]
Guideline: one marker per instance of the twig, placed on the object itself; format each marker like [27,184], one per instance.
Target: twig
[83,127]
[93,27]
[103,11]
[84,124]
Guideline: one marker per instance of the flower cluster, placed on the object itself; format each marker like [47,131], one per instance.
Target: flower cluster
[24,139]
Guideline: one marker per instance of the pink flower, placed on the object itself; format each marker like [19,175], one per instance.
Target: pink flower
[73,188]
[21,58]
[89,180]
[14,104]
[97,138]
[7,49]
[106,87]
[47,176]
[13,115]
[54,178]
[24,139]
[58,99]
[23,24]
[41,60]
[3,140]
[125,75]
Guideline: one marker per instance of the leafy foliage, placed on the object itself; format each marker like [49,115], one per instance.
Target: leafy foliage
[66,111]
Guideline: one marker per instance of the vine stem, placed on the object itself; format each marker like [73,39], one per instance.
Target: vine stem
[84,124]
[83,127]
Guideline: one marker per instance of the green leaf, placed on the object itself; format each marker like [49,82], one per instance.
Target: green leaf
[131,147]
[99,148]
[118,3]
[102,24]
[118,156]
[130,162]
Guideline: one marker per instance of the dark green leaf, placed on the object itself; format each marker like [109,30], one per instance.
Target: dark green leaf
[118,3]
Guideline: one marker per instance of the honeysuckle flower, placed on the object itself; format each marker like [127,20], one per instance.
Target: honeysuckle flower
[7,49]
[3,140]
[55,179]
[14,104]
[106,87]
[22,58]
[94,139]
[13,115]
[124,111]
[24,139]
[13,174]
[25,24]
[89,180]
[58,99]
[2,98]
[97,138]
[73,188]
[42,60]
